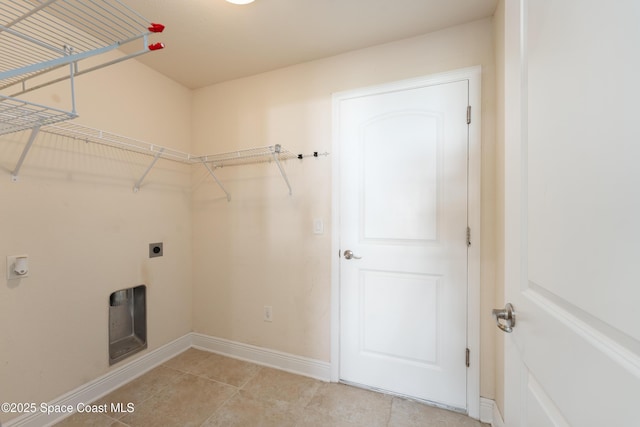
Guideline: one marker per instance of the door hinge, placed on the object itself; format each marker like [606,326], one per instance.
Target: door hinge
[468,114]
[468,236]
[467,357]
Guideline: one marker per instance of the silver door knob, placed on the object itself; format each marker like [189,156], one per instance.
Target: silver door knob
[348,254]
[508,314]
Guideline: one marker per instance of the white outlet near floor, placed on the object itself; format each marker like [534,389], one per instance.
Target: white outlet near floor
[268,313]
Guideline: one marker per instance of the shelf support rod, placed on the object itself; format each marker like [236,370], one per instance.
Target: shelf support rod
[63,60]
[213,175]
[77,72]
[275,153]
[136,187]
[25,151]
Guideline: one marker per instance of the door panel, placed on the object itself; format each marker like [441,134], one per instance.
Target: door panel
[399,151]
[403,211]
[571,213]
[583,156]
[541,410]
[385,328]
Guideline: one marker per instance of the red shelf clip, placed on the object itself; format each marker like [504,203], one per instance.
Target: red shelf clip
[156,46]
[156,28]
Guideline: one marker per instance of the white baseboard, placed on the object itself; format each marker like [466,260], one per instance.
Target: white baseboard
[116,378]
[489,413]
[486,410]
[104,385]
[266,357]
[497,417]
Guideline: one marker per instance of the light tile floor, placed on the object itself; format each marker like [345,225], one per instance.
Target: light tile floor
[198,388]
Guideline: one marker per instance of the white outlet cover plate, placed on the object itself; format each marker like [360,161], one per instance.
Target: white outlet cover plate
[11,274]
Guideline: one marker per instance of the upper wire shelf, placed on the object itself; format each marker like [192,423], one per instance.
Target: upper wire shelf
[38,37]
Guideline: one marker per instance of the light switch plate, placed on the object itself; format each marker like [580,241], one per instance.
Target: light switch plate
[318,226]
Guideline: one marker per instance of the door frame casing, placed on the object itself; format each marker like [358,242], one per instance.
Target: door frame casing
[473,76]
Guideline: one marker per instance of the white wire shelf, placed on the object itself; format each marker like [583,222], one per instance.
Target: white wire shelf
[40,36]
[248,156]
[269,154]
[17,115]
[272,153]
[96,136]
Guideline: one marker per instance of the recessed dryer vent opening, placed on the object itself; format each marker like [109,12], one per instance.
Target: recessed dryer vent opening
[127,323]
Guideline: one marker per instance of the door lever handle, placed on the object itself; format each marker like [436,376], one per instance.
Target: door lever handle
[507,314]
[348,254]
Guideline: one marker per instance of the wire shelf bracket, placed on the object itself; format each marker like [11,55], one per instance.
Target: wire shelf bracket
[213,175]
[275,154]
[25,151]
[272,153]
[136,187]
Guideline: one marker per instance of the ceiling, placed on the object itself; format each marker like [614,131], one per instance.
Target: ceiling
[210,41]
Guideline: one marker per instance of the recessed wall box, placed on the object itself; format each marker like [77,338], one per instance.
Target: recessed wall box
[127,323]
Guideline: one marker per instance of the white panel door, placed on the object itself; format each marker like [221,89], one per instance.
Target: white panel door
[572,213]
[403,214]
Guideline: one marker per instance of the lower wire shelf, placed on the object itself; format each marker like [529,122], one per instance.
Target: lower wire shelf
[38,121]
[271,153]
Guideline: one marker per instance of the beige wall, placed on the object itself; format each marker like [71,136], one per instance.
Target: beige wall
[259,248]
[87,234]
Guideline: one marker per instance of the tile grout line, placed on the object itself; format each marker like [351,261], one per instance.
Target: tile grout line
[234,394]
[260,368]
[147,397]
[116,420]
[150,396]
[393,399]
[239,387]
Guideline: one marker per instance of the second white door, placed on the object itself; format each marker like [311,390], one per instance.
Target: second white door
[571,213]
[403,215]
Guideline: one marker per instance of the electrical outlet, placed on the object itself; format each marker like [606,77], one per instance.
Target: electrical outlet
[268,313]
[155,250]
[17,267]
